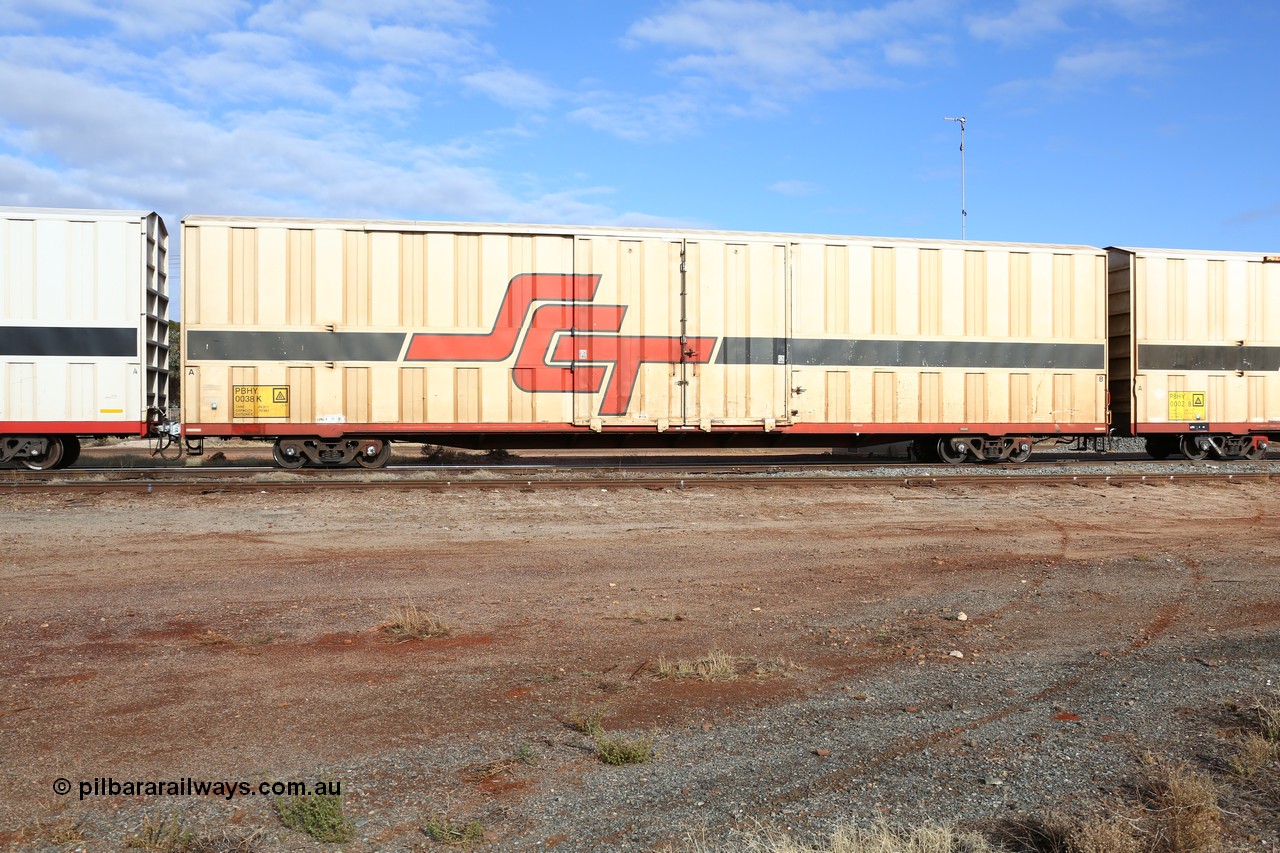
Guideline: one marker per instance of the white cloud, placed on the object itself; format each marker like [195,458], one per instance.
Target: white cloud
[1106,62]
[511,88]
[752,58]
[1029,20]
[282,107]
[795,188]
[109,146]
[754,45]
[390,31]
[143,19]
[921,52]
[228,77]
[91,58]
[376,91]
[641,118]
[154,19]
[1089,69]
[27,184]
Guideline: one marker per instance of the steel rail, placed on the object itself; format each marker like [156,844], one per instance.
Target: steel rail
[151,486]
[601,467]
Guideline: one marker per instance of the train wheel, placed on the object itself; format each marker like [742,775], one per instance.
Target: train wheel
[1191,449]
[949,453]
[1255,451]
[1021,450]
[288,455]
[1161,447]
[48,460]
[378,459]
[70,452]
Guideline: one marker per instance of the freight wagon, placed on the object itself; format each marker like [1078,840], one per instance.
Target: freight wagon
[1195,350]
[333,338]
[83,330]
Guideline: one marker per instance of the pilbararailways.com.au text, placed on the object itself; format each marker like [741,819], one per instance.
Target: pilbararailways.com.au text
[107,786]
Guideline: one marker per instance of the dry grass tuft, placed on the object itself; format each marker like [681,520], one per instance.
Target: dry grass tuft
[1181,811]
[779,667]
[620,749]
[45,832]
[525,756]
[319,815]
[715,665]
[406,622]
[1253,751]
[440,828]
[1104,835]
[587,721]
[1264,714]
[164,835]
[1035,834]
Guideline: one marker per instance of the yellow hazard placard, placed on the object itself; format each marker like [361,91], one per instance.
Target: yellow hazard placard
[259,401]
[1188,406]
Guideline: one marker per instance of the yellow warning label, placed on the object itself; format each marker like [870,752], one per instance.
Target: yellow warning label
[1187,406]
[259,401]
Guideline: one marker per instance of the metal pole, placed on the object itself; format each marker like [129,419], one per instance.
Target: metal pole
[963,213]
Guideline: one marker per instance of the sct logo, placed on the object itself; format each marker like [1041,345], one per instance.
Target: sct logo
[571,345]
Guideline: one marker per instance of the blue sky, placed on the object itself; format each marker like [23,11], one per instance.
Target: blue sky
[1132,122]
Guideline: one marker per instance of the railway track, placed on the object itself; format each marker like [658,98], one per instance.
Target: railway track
[682,475]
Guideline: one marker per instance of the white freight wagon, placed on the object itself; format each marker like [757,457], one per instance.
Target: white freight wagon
[84,336]
[1195,350]
[334,337]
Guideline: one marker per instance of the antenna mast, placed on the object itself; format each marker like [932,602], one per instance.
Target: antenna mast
[963,213]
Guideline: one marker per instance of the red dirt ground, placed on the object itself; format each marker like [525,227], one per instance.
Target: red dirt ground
[237,636]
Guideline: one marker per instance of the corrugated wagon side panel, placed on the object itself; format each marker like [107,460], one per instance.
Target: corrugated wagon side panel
[328,312]
[19,270]
[981,336]
[83,320]
[1207,339]
[999,307]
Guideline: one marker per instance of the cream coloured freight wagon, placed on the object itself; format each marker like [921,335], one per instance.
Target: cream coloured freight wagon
[1195,350]
[84,337]
[334,337]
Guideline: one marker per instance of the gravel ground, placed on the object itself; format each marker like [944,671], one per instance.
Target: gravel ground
[236,637]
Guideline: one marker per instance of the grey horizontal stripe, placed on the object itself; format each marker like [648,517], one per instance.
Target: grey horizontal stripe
[1213,357]
[68,342]
[752,351]
[293,346]
[908,353]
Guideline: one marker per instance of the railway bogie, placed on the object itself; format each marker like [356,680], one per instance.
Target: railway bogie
[364,452]
[40,453]
[957,449]
[1198,446]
